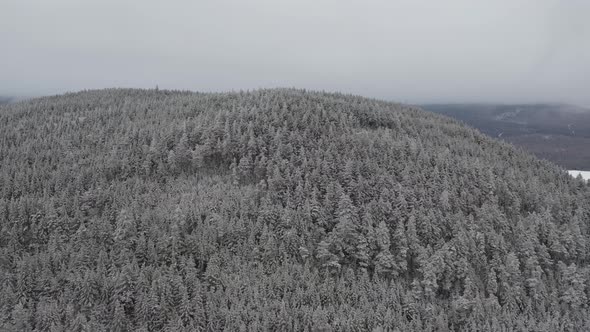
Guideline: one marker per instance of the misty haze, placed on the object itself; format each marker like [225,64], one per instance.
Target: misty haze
[294,166]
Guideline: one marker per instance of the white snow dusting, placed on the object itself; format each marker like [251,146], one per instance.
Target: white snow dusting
[585,174]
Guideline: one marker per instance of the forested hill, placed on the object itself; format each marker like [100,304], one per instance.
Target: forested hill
[279,210]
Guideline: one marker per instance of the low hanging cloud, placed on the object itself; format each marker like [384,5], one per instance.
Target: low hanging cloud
[413,51]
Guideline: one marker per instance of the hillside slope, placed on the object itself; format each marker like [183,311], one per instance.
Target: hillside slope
[279,210]
[556,132]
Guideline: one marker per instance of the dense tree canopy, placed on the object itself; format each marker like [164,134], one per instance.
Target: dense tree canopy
[279,210]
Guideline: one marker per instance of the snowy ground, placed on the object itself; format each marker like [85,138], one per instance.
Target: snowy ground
[585,174]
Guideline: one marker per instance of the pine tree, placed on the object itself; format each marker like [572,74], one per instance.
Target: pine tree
[384,261]
[245,168]
[325,257]
[573,289]
[345,234]
[125,231]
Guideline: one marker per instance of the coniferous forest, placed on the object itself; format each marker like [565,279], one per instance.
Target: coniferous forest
[279,210]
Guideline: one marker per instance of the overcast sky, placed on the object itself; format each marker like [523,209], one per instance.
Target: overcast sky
[410,51]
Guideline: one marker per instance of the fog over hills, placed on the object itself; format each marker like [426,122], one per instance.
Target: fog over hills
[279,210]
[5,100]
[556,132]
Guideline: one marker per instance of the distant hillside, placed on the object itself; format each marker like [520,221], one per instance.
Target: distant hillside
[557,132]
[5,100]
[279,210]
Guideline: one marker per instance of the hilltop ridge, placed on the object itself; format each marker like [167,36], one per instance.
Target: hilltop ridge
[280,209]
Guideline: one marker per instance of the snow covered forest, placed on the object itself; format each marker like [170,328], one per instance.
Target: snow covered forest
[279,210]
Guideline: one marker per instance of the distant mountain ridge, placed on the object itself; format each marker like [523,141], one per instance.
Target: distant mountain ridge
[556,132]
[6,100]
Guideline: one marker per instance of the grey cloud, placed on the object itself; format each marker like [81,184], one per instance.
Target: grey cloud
[414,51]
